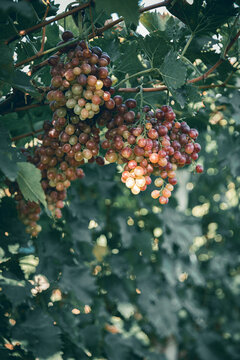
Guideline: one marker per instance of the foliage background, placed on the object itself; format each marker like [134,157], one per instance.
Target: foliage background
[120,277]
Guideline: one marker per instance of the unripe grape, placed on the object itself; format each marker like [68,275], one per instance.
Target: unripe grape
[125,175]
[77,110]
[135,190]
[162,162]
[130,182]
[78,156]
[140,181]
[199,169]
[73,140]
[163,200]
[166,193]
[70,129]
[139,171]
[155,194]
[111,157]
[77,71]
[158,182]
[87,154]
[126,152]
[70,104]
[86,68]
[69,75]
[84,113]
[99,85]
[61,112]
[154,158]
[77,89]
[169,187]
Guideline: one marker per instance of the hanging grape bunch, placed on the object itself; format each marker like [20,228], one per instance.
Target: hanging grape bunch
[88,125]
[148,143]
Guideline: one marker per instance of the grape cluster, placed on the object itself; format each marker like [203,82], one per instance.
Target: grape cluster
[149,143]
[89,124]
[80,87]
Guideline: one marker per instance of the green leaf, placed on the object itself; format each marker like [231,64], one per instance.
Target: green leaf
[28,179]
[128,9]
[38,334]
[155,46]
[6,63]
[8,155]
[21,81]
[153,21]
[116,347]
[203,16]
[173,71]
[78,281]
[186,94]
[128,61]
[16,291]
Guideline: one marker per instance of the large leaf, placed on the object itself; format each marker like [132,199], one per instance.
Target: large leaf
[6,61]
[155,47]
[203,16]
[8,155]
[21,81]
[39,334]
[16,291]
[153,21]
[28,179]
[127,9]
[128,62]
[173,71]
[78,281]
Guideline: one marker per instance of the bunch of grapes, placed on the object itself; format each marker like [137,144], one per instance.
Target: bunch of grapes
[79,89]
[149,143]
[89,125]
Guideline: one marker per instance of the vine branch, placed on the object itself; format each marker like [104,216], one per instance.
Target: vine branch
[194,80]
[137,89]
[44,28]
[23,108]
[151,7]
[22,136]
[96,32]
[47,22]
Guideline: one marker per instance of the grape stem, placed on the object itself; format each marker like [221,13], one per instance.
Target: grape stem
[143,72]
[187,45]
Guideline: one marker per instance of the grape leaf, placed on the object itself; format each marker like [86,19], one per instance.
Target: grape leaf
[128,9]
[173,71]
[6,63]
[39,334]
[155,46]
[16,291]
[78,281]
[8,155]
[203,16]
[28,179]
[128,62]
[186,94]
[154,21]
[21,81]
